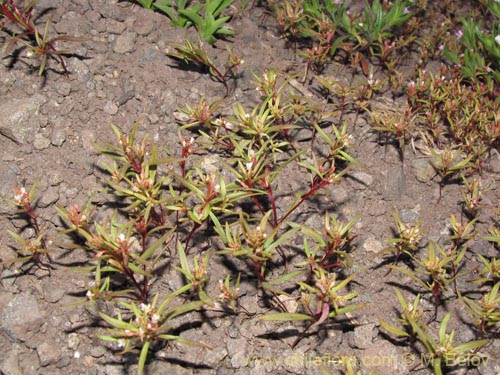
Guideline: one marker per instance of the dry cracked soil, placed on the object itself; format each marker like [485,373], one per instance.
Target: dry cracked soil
[49,129]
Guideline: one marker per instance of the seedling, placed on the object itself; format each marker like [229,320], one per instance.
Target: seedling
[407,240]
[27,34]
[210,24]
[448,163]
[434,272]
[490,272]
[148,325]
[31,249]
[411,315]
[320,302]
[190,53]
[230,294]
[174,10]
[485,312]
[197,277]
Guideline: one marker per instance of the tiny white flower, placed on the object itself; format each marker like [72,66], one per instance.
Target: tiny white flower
[121,343]
[121,237]
[19,197]
[248,165]
[145,307]
[497,38]
[89,295]
[155,318]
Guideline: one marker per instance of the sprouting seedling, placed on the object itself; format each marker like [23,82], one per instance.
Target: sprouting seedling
[320,302]
[332,244]
[471,196]
[407,240]
[230,294]
[490,273]
[210,24]
[411,314]
[32,249]
[447,164]
[433,272]
[38,44]
[197,276]
[190,53]
[442,352]
[485,312]
[148,324]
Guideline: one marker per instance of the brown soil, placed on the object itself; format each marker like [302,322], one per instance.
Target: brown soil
[122,76]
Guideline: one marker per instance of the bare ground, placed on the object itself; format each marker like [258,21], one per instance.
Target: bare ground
[121,76]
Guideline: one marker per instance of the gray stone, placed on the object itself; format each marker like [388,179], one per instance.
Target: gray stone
[144,23]
[73,341]
[73,24]
[371,245]
[53,294]
[111,108]
[363,335]
[237,351]
[423,169]
[215,356]
[409,216]
[48,197]
[48,353]
[339,194]
[361,180]
[88,139]
[9,364]
[393,184]
[125,43]
[63,88]
[20,120]
[7,183]
[20,316]
[41,142]
[58,137]
[115,27]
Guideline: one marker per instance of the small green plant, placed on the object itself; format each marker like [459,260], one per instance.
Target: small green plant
[407,240]
[27,34]
[230,294]
[485,312]
[320,302]
[174,10]
[442,352]
[147,325]
[448,163]
[476,51]
[190,53]
[411,314]
[209,23]
[435,272]
[34,249]
[490,272]
[148,4]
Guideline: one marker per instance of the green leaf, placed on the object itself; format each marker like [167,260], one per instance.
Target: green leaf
[142,357]
[392,329]
[286,317]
